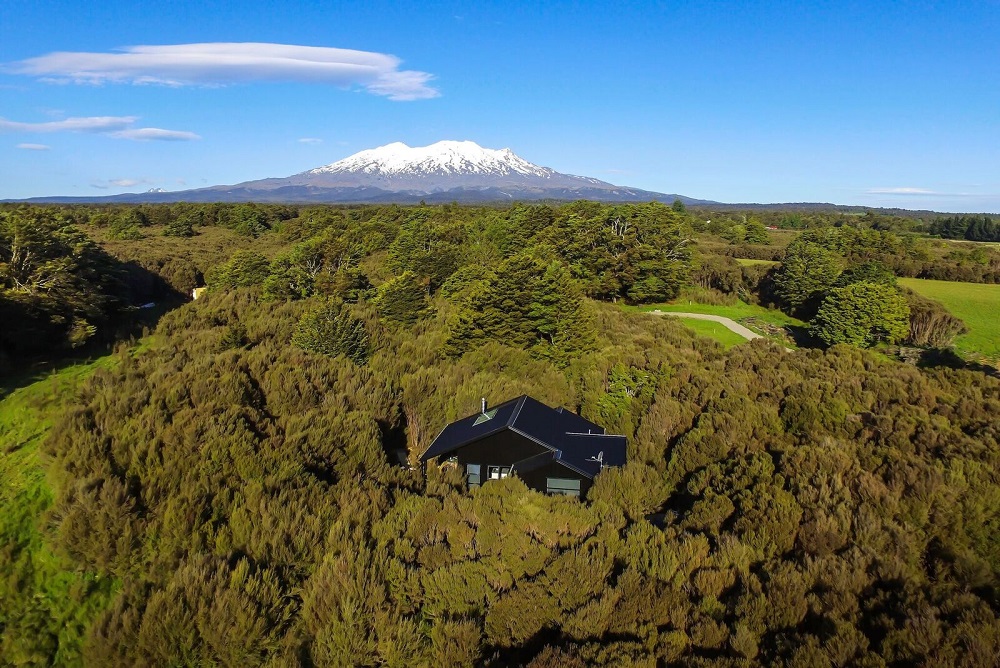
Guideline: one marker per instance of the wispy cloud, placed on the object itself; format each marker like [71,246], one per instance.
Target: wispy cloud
[310,140]
[909,191]
[119,183]
[34,147]
[221,63]
[155,134]
[900,191]
[99,124]
[120,127]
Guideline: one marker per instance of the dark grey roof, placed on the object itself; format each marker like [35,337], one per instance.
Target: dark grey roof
[574,441]
[582,450]
[466,430]
[576,423]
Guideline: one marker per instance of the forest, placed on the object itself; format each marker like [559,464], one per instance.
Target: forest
[223,488]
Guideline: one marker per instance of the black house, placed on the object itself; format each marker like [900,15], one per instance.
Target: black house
[551,449]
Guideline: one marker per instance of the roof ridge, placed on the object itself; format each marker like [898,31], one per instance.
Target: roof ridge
[534,439]
[517,410]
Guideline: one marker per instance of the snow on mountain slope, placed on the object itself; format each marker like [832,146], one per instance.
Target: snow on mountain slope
[445,158]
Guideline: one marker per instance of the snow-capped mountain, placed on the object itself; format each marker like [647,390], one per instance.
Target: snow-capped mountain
[447,171]
[444,158]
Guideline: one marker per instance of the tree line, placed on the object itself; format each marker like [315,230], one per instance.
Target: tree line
[969,228]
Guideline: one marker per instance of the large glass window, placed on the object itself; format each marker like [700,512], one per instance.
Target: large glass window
[567,486]
[472,472]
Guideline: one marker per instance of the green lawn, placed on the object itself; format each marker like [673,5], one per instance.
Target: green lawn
[713,330]
[749,263]
[737,312]
[47,603]
[978,304]
[762,320]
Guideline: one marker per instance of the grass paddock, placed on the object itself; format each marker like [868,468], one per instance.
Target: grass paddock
[978,304]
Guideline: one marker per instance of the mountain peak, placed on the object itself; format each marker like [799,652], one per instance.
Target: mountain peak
[443,158]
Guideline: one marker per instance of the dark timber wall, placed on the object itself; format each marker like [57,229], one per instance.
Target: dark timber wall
[501,449]
[537,479]
[508,447]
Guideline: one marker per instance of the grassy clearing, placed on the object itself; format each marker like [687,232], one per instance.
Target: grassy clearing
[749,263]
[737,312]
[978,304]
[713,330]
[768,322]
[47,603]
[970,245]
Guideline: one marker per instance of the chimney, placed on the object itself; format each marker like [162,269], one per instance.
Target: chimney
[484,405]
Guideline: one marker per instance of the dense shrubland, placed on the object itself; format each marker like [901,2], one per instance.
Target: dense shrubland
[237,479]
[816,507]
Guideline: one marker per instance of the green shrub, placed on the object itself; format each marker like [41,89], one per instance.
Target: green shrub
[862,314]
[331,329]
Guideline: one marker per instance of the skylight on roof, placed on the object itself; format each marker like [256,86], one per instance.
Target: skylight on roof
[484,417]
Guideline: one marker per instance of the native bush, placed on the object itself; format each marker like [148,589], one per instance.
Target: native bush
[931,324]
[331,329]
[862,314]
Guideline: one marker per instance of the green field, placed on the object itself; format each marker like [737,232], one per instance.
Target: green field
[48,602]
[749,263]
[713,330]
[978,304]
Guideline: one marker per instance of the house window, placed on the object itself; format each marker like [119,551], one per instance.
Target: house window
[472,472]
[567,486]
[498,472]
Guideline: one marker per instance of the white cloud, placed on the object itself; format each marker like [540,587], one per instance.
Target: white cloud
[119,183]
[225,63]
[155,134]
[900,191]
[98,124]
[34,147]
[119,127]
[310,140]
[912,191]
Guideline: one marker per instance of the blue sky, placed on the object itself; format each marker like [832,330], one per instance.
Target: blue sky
[878,104]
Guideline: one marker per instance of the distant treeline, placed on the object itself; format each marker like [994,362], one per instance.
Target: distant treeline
[905,253]
[970,228]
[61,289]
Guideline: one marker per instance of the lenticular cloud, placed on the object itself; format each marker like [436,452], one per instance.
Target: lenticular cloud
[226,63]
